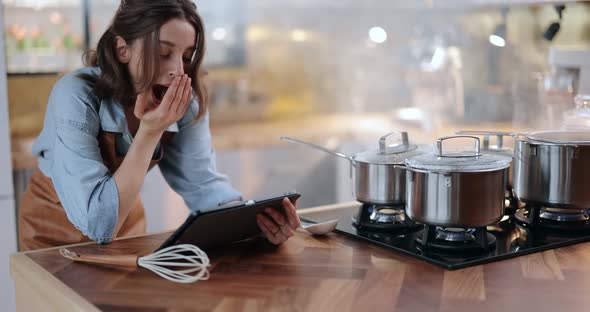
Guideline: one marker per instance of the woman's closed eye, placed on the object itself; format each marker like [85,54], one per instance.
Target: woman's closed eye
[185,59]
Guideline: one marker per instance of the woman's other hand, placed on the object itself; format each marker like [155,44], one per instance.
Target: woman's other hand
[156,118]
[278,228]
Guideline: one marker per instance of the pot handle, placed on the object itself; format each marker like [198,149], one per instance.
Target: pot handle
[439,144]
[486,136]
[402,167]
[383,140]
[321,148]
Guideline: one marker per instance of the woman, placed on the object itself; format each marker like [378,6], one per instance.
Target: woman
[140,102]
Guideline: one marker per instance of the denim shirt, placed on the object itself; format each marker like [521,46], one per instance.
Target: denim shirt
[68,152]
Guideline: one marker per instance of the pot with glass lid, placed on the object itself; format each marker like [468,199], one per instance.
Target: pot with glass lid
[378,176]
[456,189]
[552,168]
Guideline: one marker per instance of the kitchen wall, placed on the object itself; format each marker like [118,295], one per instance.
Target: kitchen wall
[280,59]
[438,60]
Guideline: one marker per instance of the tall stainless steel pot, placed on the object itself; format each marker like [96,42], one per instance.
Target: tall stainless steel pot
[456,189]
[552,168]
[378,176]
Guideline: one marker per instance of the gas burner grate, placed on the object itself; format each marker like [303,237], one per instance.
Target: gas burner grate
[454,234]
[383,218]
[453,239]
[554,218]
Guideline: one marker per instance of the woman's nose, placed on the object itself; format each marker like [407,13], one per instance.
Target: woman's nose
[177,68]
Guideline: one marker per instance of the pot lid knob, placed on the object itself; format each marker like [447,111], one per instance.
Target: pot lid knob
[383,140]
[439,146]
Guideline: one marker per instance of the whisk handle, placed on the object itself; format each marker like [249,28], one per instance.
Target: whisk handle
[116,260]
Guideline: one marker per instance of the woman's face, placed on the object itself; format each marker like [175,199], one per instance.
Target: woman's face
[177,46]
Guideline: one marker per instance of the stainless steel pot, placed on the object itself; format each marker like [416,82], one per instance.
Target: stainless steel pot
[456,189]
[499,148]
[378,176]
[552,168]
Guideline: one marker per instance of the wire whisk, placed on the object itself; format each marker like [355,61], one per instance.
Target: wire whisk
[183,263]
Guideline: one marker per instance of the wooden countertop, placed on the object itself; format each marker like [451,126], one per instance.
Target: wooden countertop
[307,273]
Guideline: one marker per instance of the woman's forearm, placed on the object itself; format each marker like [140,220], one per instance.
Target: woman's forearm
[153,122]
[131,173]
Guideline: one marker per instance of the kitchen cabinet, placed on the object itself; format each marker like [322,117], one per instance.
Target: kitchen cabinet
[307,273]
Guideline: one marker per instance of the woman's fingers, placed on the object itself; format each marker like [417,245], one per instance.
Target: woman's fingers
[281,226]
[171,108]
[267,232]
[287,231]
[271,230]
[291,212]
[284,225]
[186,96]
[140,106]
[169,96]
[277,216]
[178,94]
[273,227]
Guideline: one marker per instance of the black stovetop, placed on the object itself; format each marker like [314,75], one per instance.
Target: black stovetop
[512,239]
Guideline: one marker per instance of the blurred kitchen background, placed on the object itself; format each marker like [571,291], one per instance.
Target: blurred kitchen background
[339,73]
[335,73]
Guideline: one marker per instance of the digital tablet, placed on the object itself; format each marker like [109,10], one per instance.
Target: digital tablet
[227,224]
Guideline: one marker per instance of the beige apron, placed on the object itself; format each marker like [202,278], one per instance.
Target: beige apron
[42,220]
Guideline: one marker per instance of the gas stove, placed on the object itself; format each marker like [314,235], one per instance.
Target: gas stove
[381,218]
[523,230]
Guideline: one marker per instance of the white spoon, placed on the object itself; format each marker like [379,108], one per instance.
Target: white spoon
[321,228]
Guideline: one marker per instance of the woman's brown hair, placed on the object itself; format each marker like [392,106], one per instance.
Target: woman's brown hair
[136,19]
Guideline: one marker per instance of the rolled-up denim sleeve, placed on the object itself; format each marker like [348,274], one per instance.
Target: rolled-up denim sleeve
[189,166]
[84,185]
